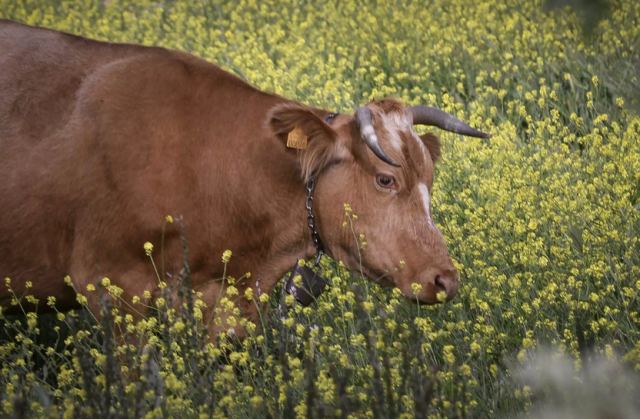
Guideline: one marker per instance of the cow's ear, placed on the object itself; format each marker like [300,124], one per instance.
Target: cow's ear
[432,143]
[300,128]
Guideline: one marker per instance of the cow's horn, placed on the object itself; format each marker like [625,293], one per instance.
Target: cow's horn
[426,115]
[364,119]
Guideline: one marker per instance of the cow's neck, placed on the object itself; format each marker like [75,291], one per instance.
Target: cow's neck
[264,200]
[286,201]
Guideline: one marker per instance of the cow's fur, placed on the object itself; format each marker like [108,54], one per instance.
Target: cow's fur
[100,141]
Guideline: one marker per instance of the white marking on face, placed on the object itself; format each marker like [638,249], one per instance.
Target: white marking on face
[368,131]
[426,202]
[394,123]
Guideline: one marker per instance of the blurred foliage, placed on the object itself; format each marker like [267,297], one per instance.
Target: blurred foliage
[591,11]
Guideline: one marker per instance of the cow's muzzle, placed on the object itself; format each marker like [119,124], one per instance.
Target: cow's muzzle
[438,286]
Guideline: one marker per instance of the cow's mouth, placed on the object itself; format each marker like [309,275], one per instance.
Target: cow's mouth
[385,279]
[425,303]
[382,278]
[436,293]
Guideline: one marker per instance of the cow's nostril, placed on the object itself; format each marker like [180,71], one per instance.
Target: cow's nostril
[448,282]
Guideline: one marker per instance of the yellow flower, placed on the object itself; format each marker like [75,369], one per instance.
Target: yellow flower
[32,320]
[169,219]
[465,370]
[226,256]
[522,355]
[178,326]
[105,282]
[248,293]
[91,287]
[148,248]
[416,288]
[115,290]
[289,300]
[448,354]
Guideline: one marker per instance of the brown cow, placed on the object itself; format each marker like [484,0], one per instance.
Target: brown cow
[100,141]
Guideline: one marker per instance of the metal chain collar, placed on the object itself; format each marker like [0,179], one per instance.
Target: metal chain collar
[311,283]
[311,221]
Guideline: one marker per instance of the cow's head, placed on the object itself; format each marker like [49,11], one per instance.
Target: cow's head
[375,161]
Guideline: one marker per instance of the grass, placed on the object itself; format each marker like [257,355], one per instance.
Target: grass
[543,220]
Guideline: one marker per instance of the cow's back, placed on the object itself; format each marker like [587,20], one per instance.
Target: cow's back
[41,72]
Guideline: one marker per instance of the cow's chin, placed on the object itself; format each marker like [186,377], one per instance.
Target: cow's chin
[426,297]
[378,277]
[428,302]
[385,280]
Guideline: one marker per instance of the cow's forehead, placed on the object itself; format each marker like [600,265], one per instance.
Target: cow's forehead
[396,134]
[394,129]
[395,123]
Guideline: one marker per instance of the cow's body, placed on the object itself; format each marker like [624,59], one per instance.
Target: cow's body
[101,141]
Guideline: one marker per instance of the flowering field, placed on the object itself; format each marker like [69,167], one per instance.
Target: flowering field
[543,219]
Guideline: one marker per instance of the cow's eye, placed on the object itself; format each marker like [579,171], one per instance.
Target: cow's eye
[385,181]
[330,117]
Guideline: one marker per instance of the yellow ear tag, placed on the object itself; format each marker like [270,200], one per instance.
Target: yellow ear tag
[297,139]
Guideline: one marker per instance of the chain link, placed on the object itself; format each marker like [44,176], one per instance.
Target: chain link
[311,221]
